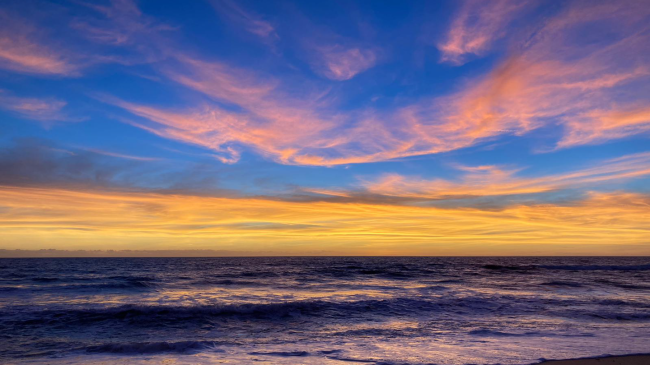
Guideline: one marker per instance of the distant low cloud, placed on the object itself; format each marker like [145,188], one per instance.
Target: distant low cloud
[127,253]
[136,220]
[45,164]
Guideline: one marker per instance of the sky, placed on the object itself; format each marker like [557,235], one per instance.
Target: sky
[496,127]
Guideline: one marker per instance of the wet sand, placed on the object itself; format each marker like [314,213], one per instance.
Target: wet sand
[611,360]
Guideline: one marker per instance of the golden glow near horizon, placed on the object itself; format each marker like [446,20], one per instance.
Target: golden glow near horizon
[46,218]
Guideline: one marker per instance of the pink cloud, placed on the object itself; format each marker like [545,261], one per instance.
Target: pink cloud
[342,63]
[556,78]
[477,26]
[45,110]
[23,49]
[482,181]
[251,22]
[598,126]
[553,79]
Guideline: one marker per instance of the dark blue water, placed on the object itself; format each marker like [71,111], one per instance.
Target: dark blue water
[321,310]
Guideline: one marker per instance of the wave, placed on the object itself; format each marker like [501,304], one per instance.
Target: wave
[129,278]
[127,286]
[225,282]
[562,283]
[131,284]
[621,316]
[154,315]
[494,333]
[192,316]
[523,268]
[45,280]
[281,353]
[181,347]
[490,333]
[330,354]
[396,272]
[624,285]
[529,268]
[597,267]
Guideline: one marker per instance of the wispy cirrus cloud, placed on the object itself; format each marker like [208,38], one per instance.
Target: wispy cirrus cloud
[120,23]
[119,155]
[477,26]
[598,126]
[44,110]
[342,63]
[553,79]
[248,20]
[491,181]
[24,49]
[266,124]
[556,78]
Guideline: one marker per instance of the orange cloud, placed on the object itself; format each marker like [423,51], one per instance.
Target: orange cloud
[112,220]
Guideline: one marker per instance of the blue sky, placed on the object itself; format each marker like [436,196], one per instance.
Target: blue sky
[452,105]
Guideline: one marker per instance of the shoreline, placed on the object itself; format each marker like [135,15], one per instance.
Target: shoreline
[632,359]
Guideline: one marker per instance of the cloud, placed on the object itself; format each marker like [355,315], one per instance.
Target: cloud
[598,126]
[557,77]
[118,155]
[32,162]
[26,48]
[248,20]
[343,63]
[23,49]
[269,120]
[42,163]
[494,181]
[477,26]
[121,24]
[142,220]
[126,253]
[593,90]
[44,110]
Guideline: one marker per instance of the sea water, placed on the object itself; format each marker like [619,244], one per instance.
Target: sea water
[321,310]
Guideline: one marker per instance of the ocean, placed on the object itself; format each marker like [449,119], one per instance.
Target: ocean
[322,310]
